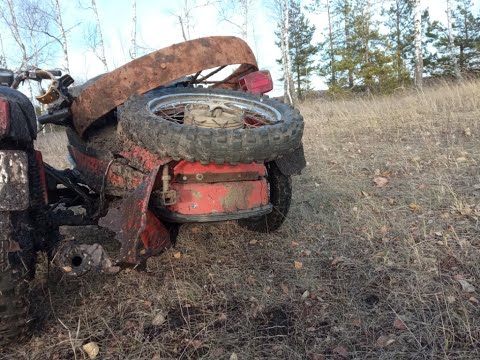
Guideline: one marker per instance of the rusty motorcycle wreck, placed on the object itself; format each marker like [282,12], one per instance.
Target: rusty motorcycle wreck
[154,144]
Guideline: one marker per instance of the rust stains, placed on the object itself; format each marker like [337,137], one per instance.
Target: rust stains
[157,68]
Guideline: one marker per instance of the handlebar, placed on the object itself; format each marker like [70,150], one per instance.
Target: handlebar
[35,74]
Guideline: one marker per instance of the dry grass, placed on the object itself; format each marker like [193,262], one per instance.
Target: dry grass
[370,255]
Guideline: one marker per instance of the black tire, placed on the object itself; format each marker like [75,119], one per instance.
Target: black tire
[15,269]
[280,198]
[207,145]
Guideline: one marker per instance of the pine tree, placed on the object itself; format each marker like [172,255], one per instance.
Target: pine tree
[301,48]
[401,35]
[456,50]
[466,40]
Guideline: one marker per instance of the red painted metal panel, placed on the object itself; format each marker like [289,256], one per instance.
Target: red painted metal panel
[204,199]
[118,175]
[4,117]
[143,158]
[193,168]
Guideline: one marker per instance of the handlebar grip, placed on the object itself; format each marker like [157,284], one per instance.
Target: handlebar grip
[55,72]
[57,118]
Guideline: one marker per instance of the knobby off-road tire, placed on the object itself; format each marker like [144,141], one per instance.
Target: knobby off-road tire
[268,142]
[280,198]
[15,269]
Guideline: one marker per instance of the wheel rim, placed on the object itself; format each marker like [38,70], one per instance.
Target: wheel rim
[173,108]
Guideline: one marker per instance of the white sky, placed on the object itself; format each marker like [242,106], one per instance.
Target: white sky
[157,28]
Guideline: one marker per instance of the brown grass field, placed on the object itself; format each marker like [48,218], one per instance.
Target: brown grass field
[379,257]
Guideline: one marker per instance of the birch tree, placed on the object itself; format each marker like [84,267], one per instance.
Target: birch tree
[95,36]
[418,46]
[451,47]
[57,17]
[3,57]
[282,9]
[239,14]
[185,15]
[328,67]
[133,32]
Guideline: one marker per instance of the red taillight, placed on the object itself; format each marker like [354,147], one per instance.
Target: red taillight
[4,117]
[258,82]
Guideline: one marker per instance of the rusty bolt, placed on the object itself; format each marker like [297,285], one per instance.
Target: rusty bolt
[163,65]
[199,177]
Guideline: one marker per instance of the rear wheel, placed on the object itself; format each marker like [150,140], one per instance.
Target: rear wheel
[17,259]
[280,198]
[211,125]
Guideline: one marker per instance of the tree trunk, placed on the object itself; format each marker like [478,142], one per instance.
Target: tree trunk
[3,57]
[398,52]
[347,40]
[16,34]
[133,36]
[451,47]
[58,17]
[332,54]
[287,66]
[100,52]
[418,46]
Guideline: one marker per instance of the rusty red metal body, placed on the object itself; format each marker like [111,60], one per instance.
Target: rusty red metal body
[139,231]
[160,67]
[209,189]
[43,179]
[111,176]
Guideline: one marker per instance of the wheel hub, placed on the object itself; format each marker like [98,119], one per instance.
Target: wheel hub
[214,115]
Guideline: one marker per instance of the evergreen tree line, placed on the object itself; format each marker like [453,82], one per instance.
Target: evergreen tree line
[369,46]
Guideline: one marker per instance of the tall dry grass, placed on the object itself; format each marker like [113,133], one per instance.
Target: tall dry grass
[384,232]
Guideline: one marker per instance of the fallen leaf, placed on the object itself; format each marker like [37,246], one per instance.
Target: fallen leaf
[311,329]
[295,244]
[91,349]
[338,260]
[159,319]
[384,341]
[474,300]
[380,181]
[342,351]
[197,344]
[298,265]
[414,207]
[284,289]
[399,324]
[451,299]
[177,255]
[466,286]
[258,310]
[253,242]
[468,132]
[307,252]
[234,356]
[365,194]
[306,294]
[461,159]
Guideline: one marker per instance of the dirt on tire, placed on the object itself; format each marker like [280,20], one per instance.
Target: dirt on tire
[207,145]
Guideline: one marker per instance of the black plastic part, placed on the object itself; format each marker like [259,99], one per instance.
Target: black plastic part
[23,126]
[292,163]
[164,214]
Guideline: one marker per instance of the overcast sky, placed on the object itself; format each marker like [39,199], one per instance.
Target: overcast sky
[157,28]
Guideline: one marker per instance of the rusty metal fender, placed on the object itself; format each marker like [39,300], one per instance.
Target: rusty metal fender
[157,68]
